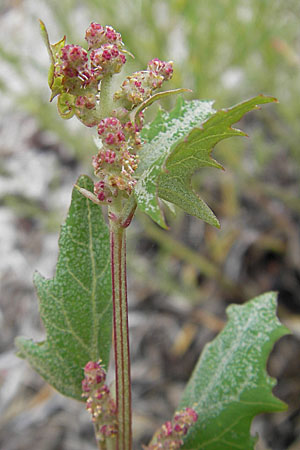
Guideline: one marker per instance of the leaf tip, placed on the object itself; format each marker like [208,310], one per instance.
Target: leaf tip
[42,25]
[269,98]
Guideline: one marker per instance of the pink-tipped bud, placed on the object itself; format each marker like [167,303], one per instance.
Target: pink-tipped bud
[96,36]
[135,88]
[162,68]
[99,402]
[169,436]
[167,428]
[109,430]
[186,416]
[74,60]
[111,131]
[86,101]
[99,190]
[107,59]
[110,156]
[102,392]
[94,373]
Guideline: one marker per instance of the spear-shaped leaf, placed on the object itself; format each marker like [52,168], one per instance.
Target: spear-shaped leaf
[229,385]
[178,144]
[75,305]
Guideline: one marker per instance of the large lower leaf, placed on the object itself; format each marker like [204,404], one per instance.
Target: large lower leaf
[229,385]
[75,305]
[178,144]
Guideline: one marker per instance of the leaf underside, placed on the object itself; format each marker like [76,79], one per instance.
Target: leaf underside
[179,143]
[229,385]
[75,305]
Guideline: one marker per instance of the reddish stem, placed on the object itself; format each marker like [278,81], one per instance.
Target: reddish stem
[121,338]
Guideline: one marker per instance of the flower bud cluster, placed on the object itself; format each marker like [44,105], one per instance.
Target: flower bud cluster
[74,60]
[81,80]
[169,436]
[99,401]
[78,72]
[106,57]
[138,87]
[116,161]
[107,60]
[162,68]
[96,36]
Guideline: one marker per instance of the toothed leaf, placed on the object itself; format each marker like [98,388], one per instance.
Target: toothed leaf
[178,144]
[229,385]
[75,305]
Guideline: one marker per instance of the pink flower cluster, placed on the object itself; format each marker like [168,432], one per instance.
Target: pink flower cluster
[74,59]
[138,87]
[110,130]
[169,436]
[99,401]
[107,60]
[116,161]
[106,57]
[77,76]
[163,68]
[78,72]
[96,36]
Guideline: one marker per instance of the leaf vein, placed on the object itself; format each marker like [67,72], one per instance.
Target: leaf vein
[68,323]
[77,279]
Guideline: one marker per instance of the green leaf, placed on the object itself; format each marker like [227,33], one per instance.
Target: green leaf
[75,305]
[161,137]
[46,40]
[229,385]
[65,105]
[134,115]
[54,50]
[177,145]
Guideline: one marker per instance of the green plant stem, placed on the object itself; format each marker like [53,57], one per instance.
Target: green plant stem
[105,97]
[121,339]
[111,444]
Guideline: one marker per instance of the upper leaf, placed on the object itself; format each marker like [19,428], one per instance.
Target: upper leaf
[179,143]
[229,385]
[75,305]
[54,50]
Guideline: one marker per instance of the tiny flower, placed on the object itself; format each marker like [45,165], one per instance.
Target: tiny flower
[109,156]
[108,430]
[167,428]
[86,101]
[94,373]
[119,182]
[99,190]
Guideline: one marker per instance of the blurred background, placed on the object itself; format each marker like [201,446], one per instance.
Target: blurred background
[180,281]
